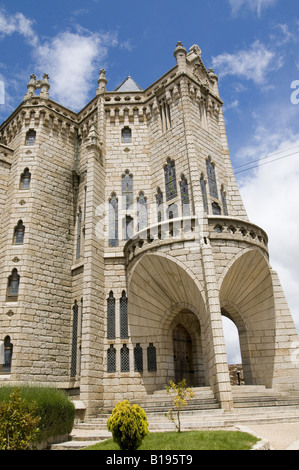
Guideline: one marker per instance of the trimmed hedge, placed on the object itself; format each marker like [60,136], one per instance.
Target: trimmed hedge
[56,411]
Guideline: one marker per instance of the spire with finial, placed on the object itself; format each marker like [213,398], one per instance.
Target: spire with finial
[102,81]
[180,54]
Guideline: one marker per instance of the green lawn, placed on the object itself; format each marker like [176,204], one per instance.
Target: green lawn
[189,440]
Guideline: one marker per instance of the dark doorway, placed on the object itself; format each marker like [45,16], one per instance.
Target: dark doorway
[182,354]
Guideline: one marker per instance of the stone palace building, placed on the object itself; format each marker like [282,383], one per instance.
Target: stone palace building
[124,239]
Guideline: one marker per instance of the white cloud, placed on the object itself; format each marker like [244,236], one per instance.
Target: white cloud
[255,6]
[270,195]
[73,61]
[17,23]
[252,64]
[72,58]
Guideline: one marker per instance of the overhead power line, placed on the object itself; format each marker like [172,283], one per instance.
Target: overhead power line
[264,163]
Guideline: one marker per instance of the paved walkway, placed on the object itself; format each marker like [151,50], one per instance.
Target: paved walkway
[281,436]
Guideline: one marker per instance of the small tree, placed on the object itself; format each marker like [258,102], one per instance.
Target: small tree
[18,422]
[128,424]
[180,395]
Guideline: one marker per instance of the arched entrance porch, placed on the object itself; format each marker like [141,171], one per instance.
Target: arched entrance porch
[167,305]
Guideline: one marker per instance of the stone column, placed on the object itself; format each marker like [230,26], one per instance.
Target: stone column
[213,333]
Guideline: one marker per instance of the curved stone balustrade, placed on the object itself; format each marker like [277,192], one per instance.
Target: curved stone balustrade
[163,233]
[184,229]
[227,228]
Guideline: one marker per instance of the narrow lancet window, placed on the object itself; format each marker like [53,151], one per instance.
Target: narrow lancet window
[212,178]
[111,359]
[126,134]
[13,286]
[127,190]
[74,339]
[79,233]
[141,211]
[223,200]
[184,197]
[170,179]
[25,179]
[113,221]
[6,349]
[111,316]
[159,201]
[125,359]
[203,186]
[138,359]
[19,233]
[124,334]
[30,137]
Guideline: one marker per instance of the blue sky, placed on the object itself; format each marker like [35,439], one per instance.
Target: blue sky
[252,45]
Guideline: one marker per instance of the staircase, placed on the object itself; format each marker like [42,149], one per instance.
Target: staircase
[252,405]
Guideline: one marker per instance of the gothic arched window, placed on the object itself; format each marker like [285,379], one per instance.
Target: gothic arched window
[13,286]
[216,208]
[223,200]
[172,211]
[111,316]
[159,200]
[141,211]
[127,190]
[184,196]
[113,220]
[25,179]
[212,178]
[30,137]
[6,355]
[126,135]
[19,233]
[79,233]
[203,186]
[170,179]
[124,316]
[74,339]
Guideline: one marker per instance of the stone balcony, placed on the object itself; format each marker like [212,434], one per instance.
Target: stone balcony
[216,229]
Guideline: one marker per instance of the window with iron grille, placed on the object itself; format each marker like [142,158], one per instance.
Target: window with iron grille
[124,334]
[151,358]
[111,359]
[138,359]
[124,359]
[111,316]
[74,339]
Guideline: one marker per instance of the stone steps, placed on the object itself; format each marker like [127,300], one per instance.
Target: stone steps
[252,405]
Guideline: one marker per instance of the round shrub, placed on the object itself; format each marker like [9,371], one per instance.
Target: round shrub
[128,424]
